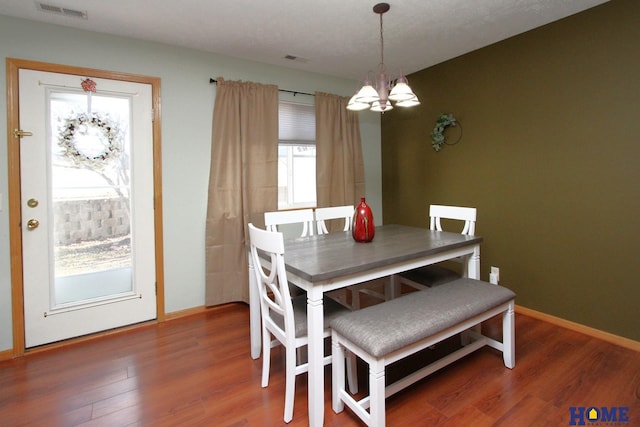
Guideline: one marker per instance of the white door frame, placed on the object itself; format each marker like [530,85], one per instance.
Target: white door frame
[15,214]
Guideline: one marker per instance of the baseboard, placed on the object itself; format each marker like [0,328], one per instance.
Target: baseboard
[577,327]
[184,313]
[197,310]
[6,355]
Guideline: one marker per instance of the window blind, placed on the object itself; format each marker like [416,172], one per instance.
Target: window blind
[296,123]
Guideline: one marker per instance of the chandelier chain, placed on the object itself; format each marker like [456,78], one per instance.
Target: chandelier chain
[381,45]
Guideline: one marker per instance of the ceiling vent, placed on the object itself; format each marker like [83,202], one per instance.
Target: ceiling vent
[59,10]
[296,58]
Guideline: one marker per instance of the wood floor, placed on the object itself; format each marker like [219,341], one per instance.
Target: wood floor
[196,371]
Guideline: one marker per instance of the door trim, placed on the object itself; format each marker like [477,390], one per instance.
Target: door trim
[13,154]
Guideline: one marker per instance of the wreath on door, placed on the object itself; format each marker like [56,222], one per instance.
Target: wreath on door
[91,140]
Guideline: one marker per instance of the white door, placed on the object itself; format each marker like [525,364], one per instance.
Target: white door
[87,205]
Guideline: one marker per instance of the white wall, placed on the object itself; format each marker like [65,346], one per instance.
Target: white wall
[187,107]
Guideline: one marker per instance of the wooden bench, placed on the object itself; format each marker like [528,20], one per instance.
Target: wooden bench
[385,333]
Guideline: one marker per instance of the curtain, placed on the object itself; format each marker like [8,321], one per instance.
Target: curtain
[243,182]
[339,162]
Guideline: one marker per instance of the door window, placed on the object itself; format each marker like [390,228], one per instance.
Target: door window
[90,195]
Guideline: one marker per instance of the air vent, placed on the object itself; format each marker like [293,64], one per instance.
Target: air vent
[59,10]
[296,58]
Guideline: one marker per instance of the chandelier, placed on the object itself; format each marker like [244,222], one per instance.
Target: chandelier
[378,98]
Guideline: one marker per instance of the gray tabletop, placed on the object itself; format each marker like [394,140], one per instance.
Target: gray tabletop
[328,256]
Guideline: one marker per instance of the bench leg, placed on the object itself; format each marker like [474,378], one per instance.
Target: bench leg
[509,338]
[377,393]
[337,373]
[352,372]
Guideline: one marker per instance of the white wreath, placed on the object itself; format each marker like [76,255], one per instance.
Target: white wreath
[103,136]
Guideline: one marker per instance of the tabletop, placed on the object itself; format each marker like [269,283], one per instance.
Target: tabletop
[328,256]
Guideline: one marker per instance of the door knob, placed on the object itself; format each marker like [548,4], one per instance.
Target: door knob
[32,224]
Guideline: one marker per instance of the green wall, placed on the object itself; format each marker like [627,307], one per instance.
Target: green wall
[549,155]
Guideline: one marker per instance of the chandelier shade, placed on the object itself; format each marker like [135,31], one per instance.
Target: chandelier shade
[378,98]
[401,91]
[408,103]
[355,105]
[381,107]
[367,94]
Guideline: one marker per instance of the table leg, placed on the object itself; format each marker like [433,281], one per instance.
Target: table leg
[254,312]
[392,287]
[473,264]
[315,325]
[473,272]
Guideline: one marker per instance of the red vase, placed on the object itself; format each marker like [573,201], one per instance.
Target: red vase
[362,227]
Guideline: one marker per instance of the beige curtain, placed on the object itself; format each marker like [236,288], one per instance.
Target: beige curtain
[243,182]
[339,162]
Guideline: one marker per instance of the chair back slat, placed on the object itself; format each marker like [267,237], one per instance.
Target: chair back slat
[468,215]
[302,216]
[334,212]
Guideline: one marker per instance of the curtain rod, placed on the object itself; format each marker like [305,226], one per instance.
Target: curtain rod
[294,92]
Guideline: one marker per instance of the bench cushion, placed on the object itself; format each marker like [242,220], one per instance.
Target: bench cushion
[384,328]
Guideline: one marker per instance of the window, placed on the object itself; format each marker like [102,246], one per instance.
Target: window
[296,156]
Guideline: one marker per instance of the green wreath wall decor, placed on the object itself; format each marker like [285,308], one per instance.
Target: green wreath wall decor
[90,139]
[443,122]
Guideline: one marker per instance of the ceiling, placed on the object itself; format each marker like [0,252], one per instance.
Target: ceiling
[335,37]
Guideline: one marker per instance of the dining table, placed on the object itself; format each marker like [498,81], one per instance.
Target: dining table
[323,263]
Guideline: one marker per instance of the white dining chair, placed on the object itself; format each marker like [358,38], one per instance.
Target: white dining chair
[304,217]
[433,275]
[345,213]
[285,318]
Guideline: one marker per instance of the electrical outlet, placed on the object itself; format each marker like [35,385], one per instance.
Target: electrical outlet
[494,276]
